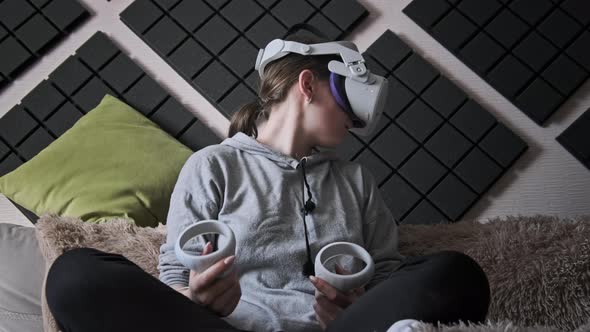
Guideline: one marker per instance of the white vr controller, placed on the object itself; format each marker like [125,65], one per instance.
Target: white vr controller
[200,263]
[344,282]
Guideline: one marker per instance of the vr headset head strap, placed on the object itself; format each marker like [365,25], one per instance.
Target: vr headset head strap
[353,65]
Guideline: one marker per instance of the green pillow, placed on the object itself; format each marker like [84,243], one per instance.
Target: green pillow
[114,162]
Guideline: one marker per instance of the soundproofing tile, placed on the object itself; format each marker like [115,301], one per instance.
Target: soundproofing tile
[435,151]
[213,44]
[534,52]
[28,28]
[576,139]
[76,87]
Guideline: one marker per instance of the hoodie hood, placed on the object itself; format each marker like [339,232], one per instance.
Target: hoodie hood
[251,145]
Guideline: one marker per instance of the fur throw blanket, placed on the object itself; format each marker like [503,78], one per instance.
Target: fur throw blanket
[538,266]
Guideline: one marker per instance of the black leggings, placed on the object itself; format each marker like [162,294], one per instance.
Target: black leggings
[91,290]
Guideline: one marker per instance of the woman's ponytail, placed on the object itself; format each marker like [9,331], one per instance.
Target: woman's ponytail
[244,120]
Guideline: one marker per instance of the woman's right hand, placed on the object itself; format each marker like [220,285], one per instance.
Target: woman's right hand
[219,295]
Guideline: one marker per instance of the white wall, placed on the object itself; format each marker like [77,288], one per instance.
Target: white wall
[546,179]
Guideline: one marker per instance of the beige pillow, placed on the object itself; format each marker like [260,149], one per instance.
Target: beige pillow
[538,266]
[56,235]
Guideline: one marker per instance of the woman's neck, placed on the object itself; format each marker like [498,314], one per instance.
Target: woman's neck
[283,132]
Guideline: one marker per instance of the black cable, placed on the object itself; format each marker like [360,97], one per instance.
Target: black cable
[308,267]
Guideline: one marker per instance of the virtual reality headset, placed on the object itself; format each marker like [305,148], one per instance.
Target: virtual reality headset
[359,92]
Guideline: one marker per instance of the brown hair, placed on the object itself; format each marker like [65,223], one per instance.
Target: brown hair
[279,77]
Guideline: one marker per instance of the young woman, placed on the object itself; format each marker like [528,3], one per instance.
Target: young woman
[258,181]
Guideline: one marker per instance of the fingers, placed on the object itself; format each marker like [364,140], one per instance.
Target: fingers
[209,276]
[326,311]
[207,249]
[221,295]
[331,293]
[234,299]
[359,291]
[216,289]
[320,315]
[227,302]
[341,270]
[355,292]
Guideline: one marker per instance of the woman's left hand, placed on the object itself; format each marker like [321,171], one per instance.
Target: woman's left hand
[330,302]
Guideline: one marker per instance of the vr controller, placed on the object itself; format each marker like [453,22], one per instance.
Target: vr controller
[344,282]
[200,263]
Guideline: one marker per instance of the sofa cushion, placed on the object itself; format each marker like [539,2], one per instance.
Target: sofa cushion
[21,274]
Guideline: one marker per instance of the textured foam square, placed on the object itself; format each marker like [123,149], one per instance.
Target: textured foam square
[77,86]
[534,52]
[422,170]
[425,213]
[43,100]
[448,145]
[396,154]
[452,196]
[63,119]
[420,120]
[35,143]
[400,195]
[29,28]
[213,45]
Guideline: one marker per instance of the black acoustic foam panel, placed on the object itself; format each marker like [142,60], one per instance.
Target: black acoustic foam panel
[213,44]
[576,139]
[29,27]
[534,52]
[435,152]
[76,87]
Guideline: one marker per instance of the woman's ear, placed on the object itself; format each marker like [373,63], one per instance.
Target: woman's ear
[306,84]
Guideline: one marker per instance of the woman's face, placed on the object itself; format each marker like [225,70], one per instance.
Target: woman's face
[329,121]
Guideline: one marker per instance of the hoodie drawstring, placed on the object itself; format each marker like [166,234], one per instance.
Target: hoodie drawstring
[309,205]
[308,267]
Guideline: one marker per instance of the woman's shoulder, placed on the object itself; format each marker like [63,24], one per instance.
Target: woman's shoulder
[208,162]
[215,159]
[209,153]
[350,171]
[349,167]
[357,173]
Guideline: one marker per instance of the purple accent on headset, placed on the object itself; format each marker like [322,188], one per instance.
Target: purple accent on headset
[339,92]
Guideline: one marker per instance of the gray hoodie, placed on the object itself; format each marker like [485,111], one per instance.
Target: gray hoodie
[259,193]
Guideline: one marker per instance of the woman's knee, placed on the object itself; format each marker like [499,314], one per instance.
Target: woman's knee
[71,275]
[456,268]
[457,262]
[72,261]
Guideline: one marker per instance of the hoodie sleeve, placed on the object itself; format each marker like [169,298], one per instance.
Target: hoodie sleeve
[196,196]
[380,232]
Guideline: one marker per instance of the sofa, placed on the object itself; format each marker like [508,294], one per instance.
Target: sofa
[538,266]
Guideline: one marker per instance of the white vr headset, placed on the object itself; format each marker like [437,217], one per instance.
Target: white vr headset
[359,92]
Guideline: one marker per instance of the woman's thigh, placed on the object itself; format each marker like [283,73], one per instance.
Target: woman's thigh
[444,287]
[91,290]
